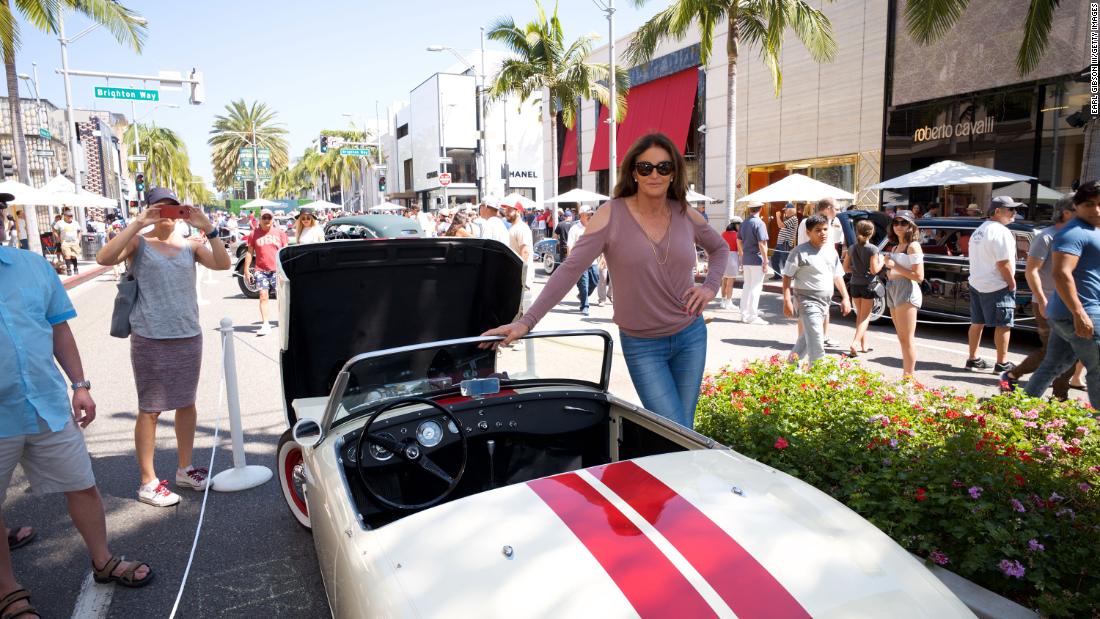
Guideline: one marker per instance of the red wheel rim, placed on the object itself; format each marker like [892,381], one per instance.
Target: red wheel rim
[293,459]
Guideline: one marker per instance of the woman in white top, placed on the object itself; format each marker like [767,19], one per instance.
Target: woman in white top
[903,294]
[307,229]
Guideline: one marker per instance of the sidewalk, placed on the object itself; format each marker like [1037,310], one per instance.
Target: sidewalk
[88,270]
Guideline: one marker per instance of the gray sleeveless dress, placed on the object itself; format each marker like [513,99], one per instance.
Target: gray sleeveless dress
[165,338]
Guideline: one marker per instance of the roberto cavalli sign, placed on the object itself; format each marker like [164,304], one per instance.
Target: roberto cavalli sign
[960,130]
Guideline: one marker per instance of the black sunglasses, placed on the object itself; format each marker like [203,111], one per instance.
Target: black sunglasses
[645,168]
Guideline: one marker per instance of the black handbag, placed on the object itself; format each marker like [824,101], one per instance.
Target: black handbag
[126,297]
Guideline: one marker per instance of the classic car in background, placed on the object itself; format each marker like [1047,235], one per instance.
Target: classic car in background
[549,255]
[440,478]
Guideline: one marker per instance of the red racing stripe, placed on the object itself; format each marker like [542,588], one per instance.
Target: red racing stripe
[745,585]
[652,585]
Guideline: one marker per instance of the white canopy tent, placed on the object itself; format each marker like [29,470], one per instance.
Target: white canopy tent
[319,205]
[1022,191]
[576,195]
[797,188]
[260,203]
[512,198]
[386,206]
[695,196]
[948,172]
[26,195]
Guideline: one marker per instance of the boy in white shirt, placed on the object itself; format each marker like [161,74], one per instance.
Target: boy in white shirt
[992,281]
[812,270]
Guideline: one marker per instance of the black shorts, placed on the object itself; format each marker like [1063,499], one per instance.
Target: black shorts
[861,291]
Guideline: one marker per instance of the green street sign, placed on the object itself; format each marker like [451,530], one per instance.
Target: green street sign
[355,152]
[43,132]
[129,94]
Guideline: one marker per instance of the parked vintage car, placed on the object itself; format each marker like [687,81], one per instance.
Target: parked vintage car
[549,255]
[945,241]
[443,479]
[341,228]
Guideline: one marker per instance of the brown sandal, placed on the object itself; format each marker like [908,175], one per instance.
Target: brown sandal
[105,574]
[13,597]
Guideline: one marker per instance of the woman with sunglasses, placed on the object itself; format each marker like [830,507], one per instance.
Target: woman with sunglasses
[648,236]
[903,294]
[307,229]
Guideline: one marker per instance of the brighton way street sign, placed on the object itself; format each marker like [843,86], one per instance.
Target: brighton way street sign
[355,152]
[129,94]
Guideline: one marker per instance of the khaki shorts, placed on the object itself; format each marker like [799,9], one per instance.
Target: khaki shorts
[70,250]
[53,461]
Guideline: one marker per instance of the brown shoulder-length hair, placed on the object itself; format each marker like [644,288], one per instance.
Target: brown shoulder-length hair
[910,234]
[677,189]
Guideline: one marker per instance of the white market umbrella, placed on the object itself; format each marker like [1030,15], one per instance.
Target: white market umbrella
[1022,191]
[577,195]
[797,188]
[260,203]
[948,172]
[512,198]
[320,205]
[387,206]
[695,196]
[25,195]
[59,184]
[83,199]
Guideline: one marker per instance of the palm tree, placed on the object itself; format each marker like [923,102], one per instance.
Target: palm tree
[543,61]
[197,192]
[759,23]
[245,126]
[127,27]
[167,164]
[929,20]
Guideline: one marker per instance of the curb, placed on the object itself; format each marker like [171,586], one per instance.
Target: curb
[76,280]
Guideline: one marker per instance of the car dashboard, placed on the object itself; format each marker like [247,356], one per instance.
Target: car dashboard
[510,438]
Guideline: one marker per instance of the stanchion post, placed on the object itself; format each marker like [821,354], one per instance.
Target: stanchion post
[198,285]
[242,476]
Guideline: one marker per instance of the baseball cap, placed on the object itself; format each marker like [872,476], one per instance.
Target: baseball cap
[160,194]
[6,197]
[491,202]
[266,211]
[907,215]
[1003,202]
[755,206]
[584,209]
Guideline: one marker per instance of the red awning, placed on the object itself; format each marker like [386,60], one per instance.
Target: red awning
[663,105]
[568,165]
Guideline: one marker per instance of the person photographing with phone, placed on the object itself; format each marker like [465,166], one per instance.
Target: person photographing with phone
[165,336]
[264,244]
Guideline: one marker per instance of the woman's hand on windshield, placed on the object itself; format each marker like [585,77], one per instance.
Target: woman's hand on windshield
[511,332]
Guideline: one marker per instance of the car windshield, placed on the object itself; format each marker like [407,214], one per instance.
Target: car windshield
[430,369]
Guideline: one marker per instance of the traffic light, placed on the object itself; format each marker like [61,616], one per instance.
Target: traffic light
[382,184]
[9,166]
[139,183]
[323,144]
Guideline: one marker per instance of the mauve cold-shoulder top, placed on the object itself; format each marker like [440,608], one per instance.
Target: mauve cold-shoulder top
[649,295]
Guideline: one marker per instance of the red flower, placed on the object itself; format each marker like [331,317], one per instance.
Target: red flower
[1020,480]
[781,443]
[922,495]
[767,410]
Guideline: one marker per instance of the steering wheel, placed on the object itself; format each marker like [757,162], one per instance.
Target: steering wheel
[411,451]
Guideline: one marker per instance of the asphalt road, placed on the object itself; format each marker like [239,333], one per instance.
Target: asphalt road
[252,559]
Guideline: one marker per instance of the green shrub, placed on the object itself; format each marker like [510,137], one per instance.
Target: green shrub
[1003,491]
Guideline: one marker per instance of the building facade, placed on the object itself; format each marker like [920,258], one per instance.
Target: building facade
[44,130]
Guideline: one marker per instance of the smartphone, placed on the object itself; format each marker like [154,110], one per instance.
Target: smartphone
[170,211]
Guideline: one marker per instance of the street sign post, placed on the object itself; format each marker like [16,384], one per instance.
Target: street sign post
[355,152]
[129,94]
[444,179]
[137,158]
[44,153]
[45,133]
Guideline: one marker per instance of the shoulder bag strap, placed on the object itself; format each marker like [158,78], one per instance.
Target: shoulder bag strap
[136,260]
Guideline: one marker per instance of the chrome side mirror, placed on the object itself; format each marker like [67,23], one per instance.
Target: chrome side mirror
[306,432]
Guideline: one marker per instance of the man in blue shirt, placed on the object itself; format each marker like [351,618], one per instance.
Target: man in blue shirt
[38,422]
[1074,312]
[753,236]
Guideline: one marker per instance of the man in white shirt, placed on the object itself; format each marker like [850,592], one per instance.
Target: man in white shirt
[426,222]
[68,234]
[827,208]
[992,283]
[493,226]
[590,279]
[522,242]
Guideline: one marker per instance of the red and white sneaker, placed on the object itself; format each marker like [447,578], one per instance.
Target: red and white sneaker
[157,494]
[193,478]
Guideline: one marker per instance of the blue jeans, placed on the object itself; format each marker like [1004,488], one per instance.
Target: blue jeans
[668,371]
[779,257]
[1064,348]
[587,284]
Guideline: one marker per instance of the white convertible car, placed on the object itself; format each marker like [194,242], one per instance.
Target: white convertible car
[443,479]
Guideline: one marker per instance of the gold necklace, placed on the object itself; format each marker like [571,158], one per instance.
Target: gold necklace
[668,242]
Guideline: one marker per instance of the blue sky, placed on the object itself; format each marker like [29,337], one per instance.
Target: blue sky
[310,61]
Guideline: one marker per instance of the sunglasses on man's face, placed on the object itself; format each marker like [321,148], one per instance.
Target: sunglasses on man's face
[266,217]
[645,168]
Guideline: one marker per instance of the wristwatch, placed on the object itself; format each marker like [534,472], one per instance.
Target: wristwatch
[213,234]
[84,384]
